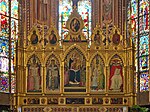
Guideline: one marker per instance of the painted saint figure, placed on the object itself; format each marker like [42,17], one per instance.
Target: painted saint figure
[52,81]
[107,10]
[116,80]
[34,38]
[3,59]
[94,78]
[75,25]
[52,38]
[74,70]
[97,38]
[98,78]
[34,76]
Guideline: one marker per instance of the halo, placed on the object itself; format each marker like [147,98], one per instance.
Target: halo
[3,47]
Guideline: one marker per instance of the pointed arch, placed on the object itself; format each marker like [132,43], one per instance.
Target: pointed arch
[116,74]
[52,55]
[117,58]
[35,57]
[75,47]
[93,56]
[115,55]
[74,68]
[97,73]
[34,77]
[52,74]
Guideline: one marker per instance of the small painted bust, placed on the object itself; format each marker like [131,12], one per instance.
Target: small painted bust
[75,25]
[52,38]
[34,38]
[97,38]
[116,38]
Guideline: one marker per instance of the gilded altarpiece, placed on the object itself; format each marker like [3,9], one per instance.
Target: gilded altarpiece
[76,74]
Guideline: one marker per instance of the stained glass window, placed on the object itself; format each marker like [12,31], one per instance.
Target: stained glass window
[142,20]
[84,9]
[4,4]
[14,9]
[4,43]
[4,54]
[144,82]
[65,9]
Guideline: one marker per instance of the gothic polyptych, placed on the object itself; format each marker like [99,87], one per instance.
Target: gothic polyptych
[76,70]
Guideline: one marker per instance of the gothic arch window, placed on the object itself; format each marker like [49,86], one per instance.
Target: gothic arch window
[65,9]
[8,37]
[84,8]
[138,22]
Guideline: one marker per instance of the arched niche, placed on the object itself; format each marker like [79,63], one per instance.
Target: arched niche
[34,78]
[116,74]
[52,74]
[75,71]
[97,77]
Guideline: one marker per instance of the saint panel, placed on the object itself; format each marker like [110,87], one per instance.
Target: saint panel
[75,71]
[34,75]
[107,10]
[97,74]
[52,74]
[116,74]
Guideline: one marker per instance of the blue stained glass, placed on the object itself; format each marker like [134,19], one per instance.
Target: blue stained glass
[143,36]
[134,8]
[144,63]
[4,42]
[4,61]
[144,78]
[4,83]
[144,45]
[4,48]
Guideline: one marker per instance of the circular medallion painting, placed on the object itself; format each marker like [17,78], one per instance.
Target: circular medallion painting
[75,25]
